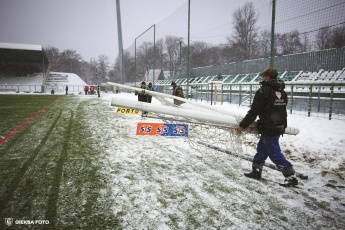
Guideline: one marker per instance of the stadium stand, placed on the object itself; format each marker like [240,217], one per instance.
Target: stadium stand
[21,59]
[229,78]
[25,68]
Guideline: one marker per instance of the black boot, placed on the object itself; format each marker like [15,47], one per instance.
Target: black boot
[290,177]
[255,174]
[290,181]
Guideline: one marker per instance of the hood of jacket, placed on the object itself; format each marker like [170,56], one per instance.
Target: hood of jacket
[274,83]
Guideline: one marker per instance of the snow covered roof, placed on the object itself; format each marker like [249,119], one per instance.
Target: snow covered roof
[20,46]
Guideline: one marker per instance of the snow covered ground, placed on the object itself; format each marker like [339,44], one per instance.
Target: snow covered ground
[163,183]
[156,182]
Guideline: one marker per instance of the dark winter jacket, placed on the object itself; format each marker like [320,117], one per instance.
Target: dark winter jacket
[149,97]
[270,105]
[177,91]
[142,96]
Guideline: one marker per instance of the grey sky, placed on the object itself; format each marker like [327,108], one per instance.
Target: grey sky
[89,26]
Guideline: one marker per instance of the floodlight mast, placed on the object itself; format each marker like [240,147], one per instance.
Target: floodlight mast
[272,32]
[119,33]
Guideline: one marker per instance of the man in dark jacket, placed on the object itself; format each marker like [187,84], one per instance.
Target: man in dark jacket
[177,91]
[99,91]
[270,105]
[142,96]
[149,97]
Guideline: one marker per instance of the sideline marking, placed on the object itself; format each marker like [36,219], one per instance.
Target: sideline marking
[26,122]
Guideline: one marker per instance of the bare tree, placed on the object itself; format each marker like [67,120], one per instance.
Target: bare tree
[235,50]
[264,44]
[144,59]
[129,66]
[289,43]
[244,20]
[161,56]
[226,53]
[70,61]
[53,55]
[306,44]
[327,38]
[172,50]
[338,37]
[199,54]
[214,55]
[323,38]
[102,68]
[93,71]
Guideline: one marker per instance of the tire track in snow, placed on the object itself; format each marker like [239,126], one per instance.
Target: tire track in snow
[52,204]
[15,140]
[9,192]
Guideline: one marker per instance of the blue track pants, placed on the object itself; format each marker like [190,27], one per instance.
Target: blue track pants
[268,146]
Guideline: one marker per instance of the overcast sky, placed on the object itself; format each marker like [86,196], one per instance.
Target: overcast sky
[87,26]
[90,26]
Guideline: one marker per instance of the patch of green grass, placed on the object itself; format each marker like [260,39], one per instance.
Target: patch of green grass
[16,109]
[52,169]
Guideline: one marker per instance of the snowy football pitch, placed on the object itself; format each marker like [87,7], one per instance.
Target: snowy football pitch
[79,165]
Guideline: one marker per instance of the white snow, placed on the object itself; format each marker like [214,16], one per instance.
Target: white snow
[163,183]
[31,79]
[20,46]
[33,83]
[72,79]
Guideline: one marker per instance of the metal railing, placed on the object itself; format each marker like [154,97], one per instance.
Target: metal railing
[39,88]
[318,99]
[309,99]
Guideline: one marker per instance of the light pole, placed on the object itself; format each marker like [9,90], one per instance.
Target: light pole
[272,33]
[188,49]
[181,40]
[119,32]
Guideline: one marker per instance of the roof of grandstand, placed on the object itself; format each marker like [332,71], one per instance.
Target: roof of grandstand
[22,59]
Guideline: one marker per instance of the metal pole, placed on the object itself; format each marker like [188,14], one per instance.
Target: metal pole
[310,98]
[318,99]
[211,93]
[119,34]
[240,95]
[272,32]
[154,55]
[135,50]
[221,93]
[188,62]
[250,94]
[44,73]
[291,100]
[230,96]
[135,59]
[331,102]
[180,57]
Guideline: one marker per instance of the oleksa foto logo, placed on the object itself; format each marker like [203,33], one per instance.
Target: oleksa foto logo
[8,221]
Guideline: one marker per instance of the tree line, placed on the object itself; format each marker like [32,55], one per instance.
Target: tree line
[246,43]
[96,71]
